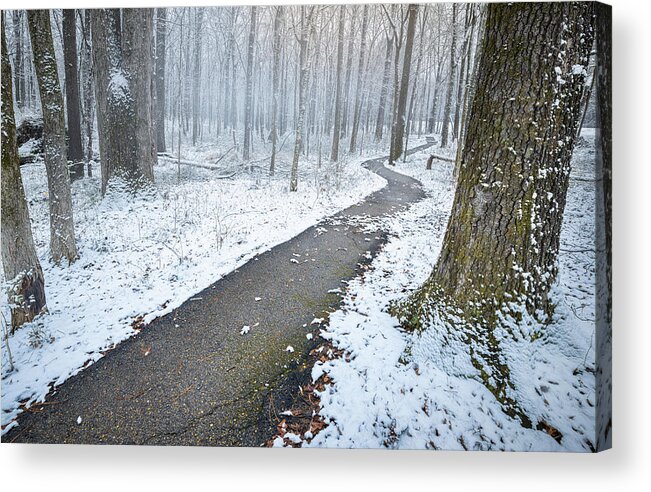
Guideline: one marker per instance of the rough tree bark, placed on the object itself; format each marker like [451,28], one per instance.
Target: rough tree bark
[400,120]
[336,134]
[19,260]
[501,244]
[75,148]
[246,151]
[161,41]
[123,73]
[62,229]
[453,69]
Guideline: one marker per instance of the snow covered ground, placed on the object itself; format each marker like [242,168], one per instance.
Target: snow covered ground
[146,256]
[398,390]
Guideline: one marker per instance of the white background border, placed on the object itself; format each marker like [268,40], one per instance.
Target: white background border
[51,468]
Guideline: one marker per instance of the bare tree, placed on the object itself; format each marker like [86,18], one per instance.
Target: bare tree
[278,20]
[336,134]
[123,64]
[306,19]
[379,122]
[399,121]
[161,45]
[87,89]
[246,151]
[196,81]
[19,260]
[62,230]
[73,104]
[358,87]
[453,69]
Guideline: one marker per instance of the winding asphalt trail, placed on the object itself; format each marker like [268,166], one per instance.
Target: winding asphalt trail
[190,378]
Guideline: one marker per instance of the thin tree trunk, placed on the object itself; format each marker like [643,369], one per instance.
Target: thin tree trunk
[349,70]
[358,87]
[62,229]
[196,80]
[302,89]
[161,41]
[20,264]
[19,73]
[397,146]
[246,152]
[278,19]
[87,86]
[336,134]
[75,149]
[453,68]
[379,122]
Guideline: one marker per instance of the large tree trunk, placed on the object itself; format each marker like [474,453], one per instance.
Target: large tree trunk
[75,148]
[400,120]
[19,260]
[336,134]
[123,91]
[499,255]
[196,80]
[161,37]
[248,116]
[278,19]
[379,122]
[358,88]
[62,230]
[451,75]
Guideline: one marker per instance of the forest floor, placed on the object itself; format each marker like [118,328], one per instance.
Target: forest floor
[201,371]
[384,387]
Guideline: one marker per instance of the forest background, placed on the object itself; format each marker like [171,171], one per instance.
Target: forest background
[166,468]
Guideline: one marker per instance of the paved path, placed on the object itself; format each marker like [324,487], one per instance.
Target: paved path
[190,378]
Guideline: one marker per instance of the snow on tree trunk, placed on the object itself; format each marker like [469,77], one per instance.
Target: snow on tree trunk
[75,148]
[499,255]
[123,91]
[19,260]
[62,230]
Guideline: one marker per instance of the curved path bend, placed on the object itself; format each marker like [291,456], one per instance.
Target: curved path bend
[190,378]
